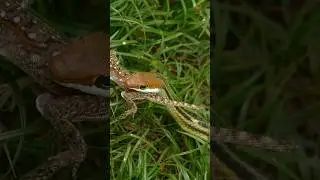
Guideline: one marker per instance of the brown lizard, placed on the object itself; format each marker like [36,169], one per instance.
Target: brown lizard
[150,85]
[29,43]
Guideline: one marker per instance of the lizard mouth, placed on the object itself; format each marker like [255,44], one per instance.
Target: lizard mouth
[90,89]
[100,86]
[147,90]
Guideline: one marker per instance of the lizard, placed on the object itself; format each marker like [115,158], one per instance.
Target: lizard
[29,43]
[152,86]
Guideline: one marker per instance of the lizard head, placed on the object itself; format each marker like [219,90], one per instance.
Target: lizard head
[146,82]
[83,64]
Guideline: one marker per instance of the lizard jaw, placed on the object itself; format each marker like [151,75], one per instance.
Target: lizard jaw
[147,90]
[90,89]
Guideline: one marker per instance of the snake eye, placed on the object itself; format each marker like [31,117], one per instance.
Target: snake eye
[143,87]
[103,82]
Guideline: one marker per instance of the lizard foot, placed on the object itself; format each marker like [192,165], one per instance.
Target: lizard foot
[53,165]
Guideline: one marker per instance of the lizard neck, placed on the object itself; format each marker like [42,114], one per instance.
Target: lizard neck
[118,74]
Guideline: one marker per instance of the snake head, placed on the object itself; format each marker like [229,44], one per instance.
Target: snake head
[146,82]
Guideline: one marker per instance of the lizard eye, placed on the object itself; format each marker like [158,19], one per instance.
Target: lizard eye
[142,87]
[103,82]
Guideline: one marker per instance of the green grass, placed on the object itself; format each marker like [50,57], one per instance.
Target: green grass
[171,38]
[266,67]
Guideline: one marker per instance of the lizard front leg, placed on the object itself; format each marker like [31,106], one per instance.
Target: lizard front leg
[129,99]
[61,112]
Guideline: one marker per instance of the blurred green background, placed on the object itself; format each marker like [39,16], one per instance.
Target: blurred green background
[266,79]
